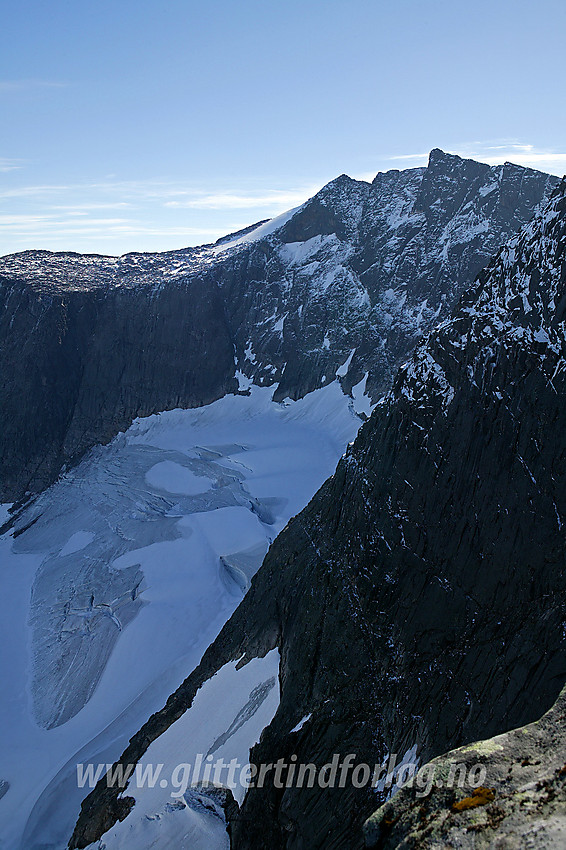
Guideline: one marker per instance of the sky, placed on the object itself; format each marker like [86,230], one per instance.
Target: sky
[142,125]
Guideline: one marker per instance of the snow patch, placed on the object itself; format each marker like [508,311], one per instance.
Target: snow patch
[259,233]
[342,371]
[249,352]
[301,723]
[362,402]
[244,383]
[225,720]
[5,512]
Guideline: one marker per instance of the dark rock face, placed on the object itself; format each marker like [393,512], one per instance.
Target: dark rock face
[522,802]
[419,599]
[87,343]
[79,366]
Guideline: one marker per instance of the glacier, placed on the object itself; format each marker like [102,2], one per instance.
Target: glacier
[118,577]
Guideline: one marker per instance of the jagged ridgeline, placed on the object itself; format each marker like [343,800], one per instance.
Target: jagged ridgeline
[419,600]
[350,281]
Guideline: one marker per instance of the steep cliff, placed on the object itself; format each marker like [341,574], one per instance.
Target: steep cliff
[418,602]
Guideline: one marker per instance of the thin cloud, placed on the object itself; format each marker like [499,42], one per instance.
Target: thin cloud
[408,156]
[83,209]
[124,188]
[9,164]
[168,193]
[225,201]
[22,85]
[27,223]
[31,191]
[157,214]
[44,224]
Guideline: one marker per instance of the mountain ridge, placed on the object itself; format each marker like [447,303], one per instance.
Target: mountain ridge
[418,600]
[89,343]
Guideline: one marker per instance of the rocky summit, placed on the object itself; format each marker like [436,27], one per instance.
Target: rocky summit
[418,601]
[344,286]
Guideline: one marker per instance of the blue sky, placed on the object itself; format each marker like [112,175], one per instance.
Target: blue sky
[138,125]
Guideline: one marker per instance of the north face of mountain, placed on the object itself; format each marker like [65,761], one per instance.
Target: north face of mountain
[418,602]
[344,285]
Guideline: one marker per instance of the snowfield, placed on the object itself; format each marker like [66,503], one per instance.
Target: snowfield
[120,575]
[223,723]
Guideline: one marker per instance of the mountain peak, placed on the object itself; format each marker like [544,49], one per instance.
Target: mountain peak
[438,155]
[439,160]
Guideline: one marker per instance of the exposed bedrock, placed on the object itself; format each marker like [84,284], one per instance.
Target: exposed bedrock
[419,600]
[78,366]
[521,803]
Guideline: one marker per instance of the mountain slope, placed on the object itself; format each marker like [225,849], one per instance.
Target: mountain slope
[418,602]
[117,578]
[346,284]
